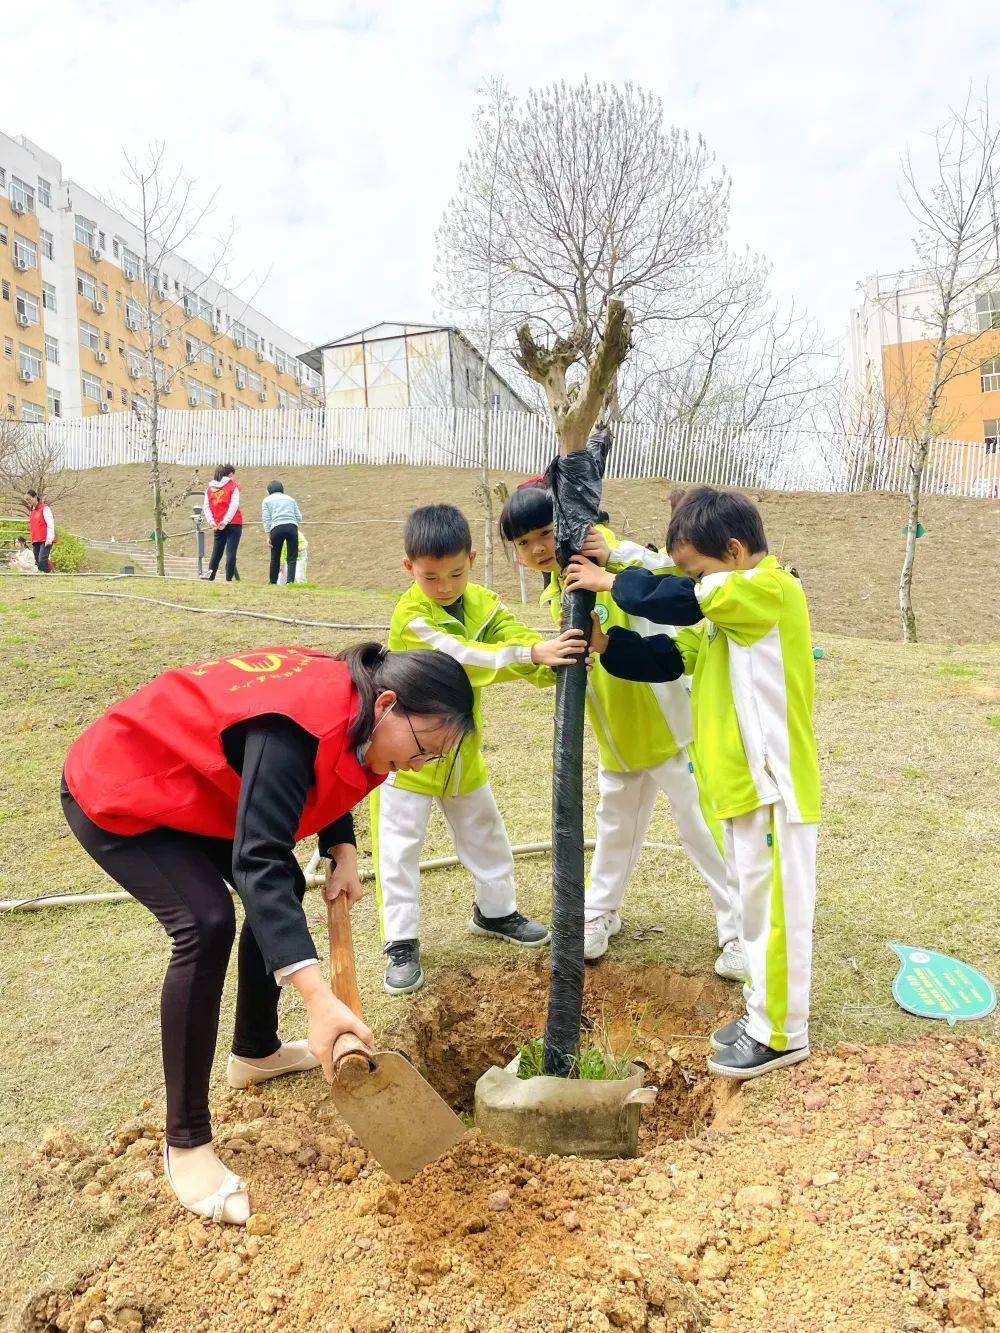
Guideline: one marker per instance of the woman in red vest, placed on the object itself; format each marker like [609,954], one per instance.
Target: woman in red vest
[222,510]
[208,776]
[41,530]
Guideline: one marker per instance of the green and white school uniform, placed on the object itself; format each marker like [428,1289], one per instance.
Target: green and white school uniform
[643,734]
[752,702]
[492,645]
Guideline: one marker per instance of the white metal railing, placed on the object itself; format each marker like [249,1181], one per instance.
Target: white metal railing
[789,459]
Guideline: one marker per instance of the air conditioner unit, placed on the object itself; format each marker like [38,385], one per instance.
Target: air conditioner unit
[20,263]
[130,274]
[17,206]
[98,307]
[27,377]
[95,253]
[105,407]
[102,358]
[260,355]
[263,395]
[23,320]
[217,372]
[217,326]
[134,372]
[193,399]
[238,340]
[164,340]
[132,322]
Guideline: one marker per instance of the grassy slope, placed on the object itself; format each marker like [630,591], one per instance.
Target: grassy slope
[908,740]
[848,548]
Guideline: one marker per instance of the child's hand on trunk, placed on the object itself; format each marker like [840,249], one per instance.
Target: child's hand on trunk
[583,573]
[561,651]
[596,547]
[598,638]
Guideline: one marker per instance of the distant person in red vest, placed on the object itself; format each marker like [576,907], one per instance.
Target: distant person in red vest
[208,776]
[41,530]
[222,512]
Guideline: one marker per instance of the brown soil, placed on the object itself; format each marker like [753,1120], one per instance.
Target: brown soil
[847,548]
[855,1191]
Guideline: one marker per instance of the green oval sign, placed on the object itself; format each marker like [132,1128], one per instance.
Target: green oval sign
[935,985]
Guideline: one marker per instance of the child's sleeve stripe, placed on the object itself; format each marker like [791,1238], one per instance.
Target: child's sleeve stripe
[469,654]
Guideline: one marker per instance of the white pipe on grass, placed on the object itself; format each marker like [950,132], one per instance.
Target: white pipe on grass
[313,878]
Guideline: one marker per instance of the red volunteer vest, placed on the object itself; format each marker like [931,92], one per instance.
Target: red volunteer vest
[218,502]
[156,757]
[37,527]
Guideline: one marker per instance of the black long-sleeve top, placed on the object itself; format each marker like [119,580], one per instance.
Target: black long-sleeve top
[274,757]
[632,656]
[666,599]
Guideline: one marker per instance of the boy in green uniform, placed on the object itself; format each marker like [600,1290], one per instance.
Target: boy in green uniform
[643,734]
[752,699]
[444,612]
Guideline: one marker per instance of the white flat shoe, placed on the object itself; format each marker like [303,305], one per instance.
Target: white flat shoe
[293,1057]
[230,1203]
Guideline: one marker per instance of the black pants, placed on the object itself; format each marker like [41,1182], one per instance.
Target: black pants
[226,540]
[42,551]
[182,879]
[284,532]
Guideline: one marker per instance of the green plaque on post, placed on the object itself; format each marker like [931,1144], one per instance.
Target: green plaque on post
[935,985]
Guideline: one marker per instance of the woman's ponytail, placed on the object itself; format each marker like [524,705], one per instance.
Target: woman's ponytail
[425,684]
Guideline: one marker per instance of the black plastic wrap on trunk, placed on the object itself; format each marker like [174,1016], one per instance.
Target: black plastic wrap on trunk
[575,480]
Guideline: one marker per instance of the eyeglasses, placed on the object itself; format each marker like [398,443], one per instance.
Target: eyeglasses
[423,754]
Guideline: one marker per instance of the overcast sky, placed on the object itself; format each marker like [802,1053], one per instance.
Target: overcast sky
[333,130]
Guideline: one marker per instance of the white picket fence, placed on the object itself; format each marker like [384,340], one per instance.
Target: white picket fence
[791,459]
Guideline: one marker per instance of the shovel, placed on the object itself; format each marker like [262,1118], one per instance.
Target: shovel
[394,1111]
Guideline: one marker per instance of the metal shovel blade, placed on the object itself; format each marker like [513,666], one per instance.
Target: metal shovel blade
[397,1115]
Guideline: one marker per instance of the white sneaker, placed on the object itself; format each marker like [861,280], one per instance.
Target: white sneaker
[597,932]
[731,962]
[292,1057]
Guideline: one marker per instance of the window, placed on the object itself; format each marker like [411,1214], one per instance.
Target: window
[124,397]
[8,346]
[86,285]
[48,296]
[85,232]
[139,404]
[201,394]
[25,252]
[3,178]
[244,337]
[44,192]
[197,306]
[3,234]
[29,361]
[47,241]
[136,363]
[991,434]
[92,388]
[133,313]
[22,195]
[282,398]
[51,349]
[54,403]
[5,289]
[90,336]
[255,382]
[31,412]
[130,263]
[241,376]
[988,310]
[26,304]
[989,374]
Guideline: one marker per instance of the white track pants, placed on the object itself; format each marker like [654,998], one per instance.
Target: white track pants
[399,824]
[775,864]
[623,814]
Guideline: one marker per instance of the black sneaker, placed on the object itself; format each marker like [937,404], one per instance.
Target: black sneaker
[403,972]
[515,928]
[747,1058]
[727,1036]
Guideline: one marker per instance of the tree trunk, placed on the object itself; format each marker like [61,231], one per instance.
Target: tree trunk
[577,501]
[919,457]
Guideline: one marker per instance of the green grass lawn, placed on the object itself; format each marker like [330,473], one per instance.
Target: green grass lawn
[908,743]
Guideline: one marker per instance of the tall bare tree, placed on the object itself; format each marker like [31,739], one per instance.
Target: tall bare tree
[169,215]
[954,206]
[603,220]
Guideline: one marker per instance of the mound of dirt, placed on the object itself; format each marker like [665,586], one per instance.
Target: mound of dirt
[855,1191]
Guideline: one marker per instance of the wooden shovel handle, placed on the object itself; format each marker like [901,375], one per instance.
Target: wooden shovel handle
[351,1057]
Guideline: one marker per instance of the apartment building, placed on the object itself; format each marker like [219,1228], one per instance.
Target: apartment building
[77,309]
[892,350]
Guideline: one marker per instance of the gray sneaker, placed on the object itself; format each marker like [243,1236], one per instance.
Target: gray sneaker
[747,1058]
[514,928]
[403,972]
[729,1035]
